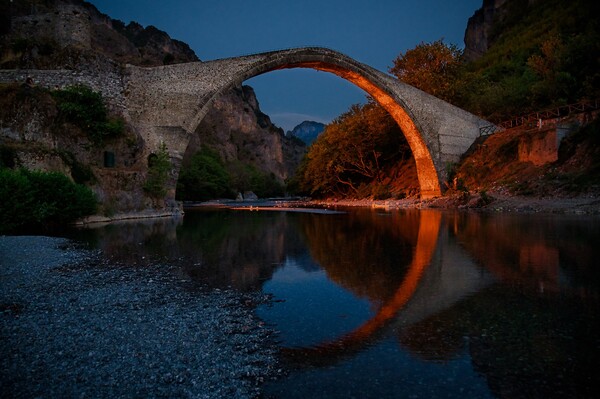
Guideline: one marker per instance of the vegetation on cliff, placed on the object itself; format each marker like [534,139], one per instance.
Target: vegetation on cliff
[543,54]
[159,166]
[84,107]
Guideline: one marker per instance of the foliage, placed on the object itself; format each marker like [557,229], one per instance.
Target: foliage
[351,153]
[208,177]
[431,67]
[542,54]
[205,178]
[84,108]
[159,166]
[7,157]
[30,199]
[246,177]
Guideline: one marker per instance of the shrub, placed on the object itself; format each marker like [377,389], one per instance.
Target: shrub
[205,178]
[16,199]
[159,166]
[84,108]
[380,192]
[246,177]
[33,199]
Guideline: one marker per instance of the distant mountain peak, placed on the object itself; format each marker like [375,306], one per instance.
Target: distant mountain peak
[307,131]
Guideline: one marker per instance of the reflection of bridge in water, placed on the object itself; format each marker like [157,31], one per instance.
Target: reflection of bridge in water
[438,277]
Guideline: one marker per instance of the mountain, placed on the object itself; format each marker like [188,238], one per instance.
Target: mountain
[478,35]
[47,34]
[307,131]
[73,35]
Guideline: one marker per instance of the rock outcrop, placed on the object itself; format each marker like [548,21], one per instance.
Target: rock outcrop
[56,34]
[477,34]
[73,36]
[238,130]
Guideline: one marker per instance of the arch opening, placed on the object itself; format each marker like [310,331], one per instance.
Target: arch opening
[355,73]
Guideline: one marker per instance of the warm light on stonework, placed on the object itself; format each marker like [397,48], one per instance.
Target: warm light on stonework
[428,177]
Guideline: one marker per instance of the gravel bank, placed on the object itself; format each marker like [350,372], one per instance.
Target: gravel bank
[73,325]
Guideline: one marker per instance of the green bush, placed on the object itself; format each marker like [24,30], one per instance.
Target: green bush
[380,192]
[30,199]
[84,108]
[16,200]
[205,178]
[159,166]
[246,177]
[208,177]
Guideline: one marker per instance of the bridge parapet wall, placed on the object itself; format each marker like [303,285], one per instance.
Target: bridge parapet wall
[109,83]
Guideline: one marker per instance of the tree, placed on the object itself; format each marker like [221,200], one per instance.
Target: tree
[41,199]
[204,178]
[85,108]
[159,166]
[431,67]
[352,152]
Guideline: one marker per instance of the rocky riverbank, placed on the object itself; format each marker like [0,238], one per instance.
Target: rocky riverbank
[75,325]
[493,201]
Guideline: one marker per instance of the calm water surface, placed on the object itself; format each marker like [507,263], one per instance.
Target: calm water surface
[407,304]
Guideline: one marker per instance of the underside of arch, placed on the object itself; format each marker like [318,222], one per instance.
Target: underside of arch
[429,180]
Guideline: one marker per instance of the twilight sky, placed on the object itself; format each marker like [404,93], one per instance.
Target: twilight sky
[371,31]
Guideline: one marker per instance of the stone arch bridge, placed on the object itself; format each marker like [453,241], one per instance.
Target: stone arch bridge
[167,103]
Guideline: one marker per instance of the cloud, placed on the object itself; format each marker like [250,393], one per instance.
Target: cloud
[289,120]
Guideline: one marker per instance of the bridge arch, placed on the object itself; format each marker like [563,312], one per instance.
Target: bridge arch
[167,97]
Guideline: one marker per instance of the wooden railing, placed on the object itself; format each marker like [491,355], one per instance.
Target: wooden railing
[540,116]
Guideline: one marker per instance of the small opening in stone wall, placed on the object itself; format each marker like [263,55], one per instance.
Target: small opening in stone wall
[109,159]
[152,159]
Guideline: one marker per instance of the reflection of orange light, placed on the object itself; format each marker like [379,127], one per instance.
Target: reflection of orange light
[426,242]
[428,177]
[540,260]
[429,227]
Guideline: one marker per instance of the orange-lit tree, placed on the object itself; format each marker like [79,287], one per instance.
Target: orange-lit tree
[431,67]
[352,153]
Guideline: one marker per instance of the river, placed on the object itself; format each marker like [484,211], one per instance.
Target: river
[405,303]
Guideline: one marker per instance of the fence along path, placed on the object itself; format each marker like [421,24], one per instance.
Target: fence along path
[540,116]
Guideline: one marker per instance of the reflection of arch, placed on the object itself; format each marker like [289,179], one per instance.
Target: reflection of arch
[170,98]
[429,227]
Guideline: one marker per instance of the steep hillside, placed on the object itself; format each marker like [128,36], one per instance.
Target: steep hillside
[239,131]
[529,55]
[74,35]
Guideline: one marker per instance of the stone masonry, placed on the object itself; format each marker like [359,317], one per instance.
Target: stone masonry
[167,103]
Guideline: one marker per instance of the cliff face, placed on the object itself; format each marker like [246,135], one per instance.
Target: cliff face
[238,130]
[477,34]
[490,21]
[69,33]
[74,35]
